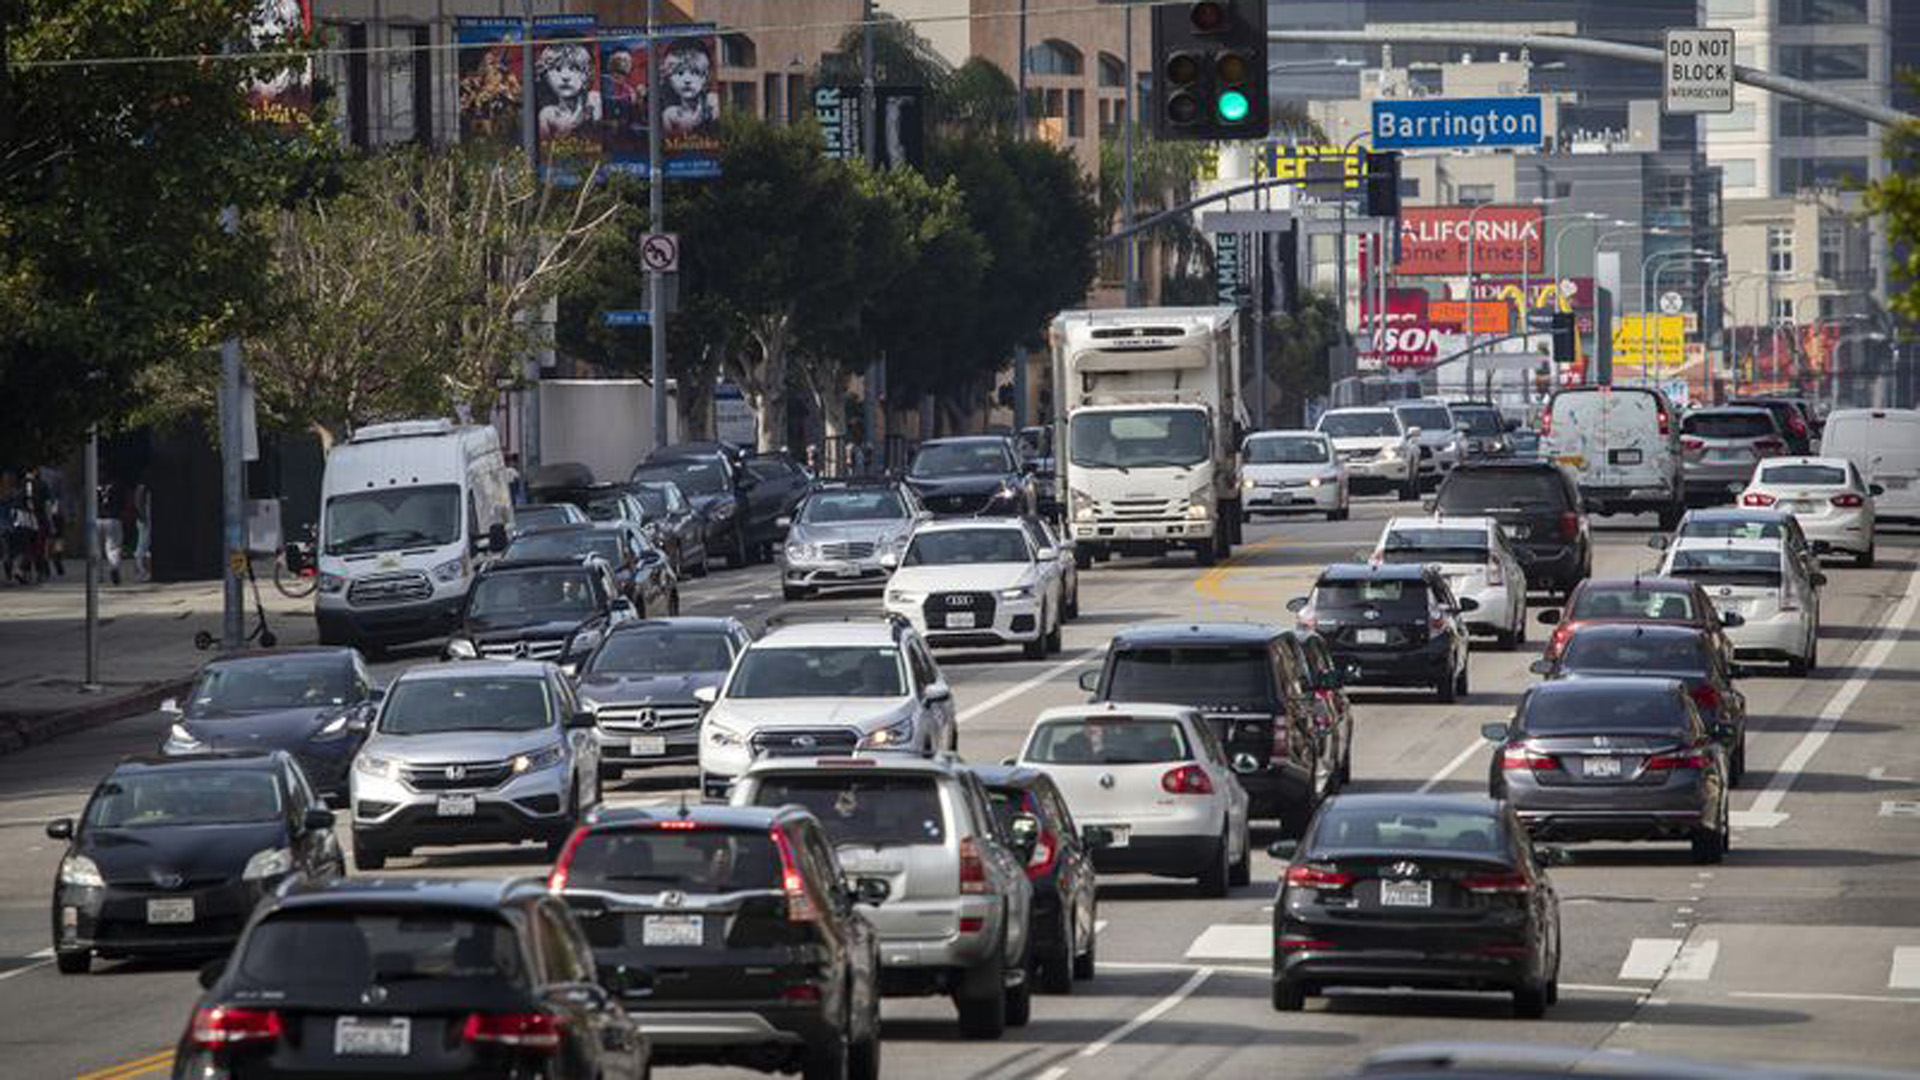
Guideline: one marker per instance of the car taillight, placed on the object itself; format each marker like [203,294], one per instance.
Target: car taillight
[1796,425]
[1309,876]
[973,868]
[1848,499]
[1187,780]
[225,1025]
[1685,759]
[1436,623]
[1546,422]
[557,880]
[800,906]
[1524,757]
[1691,445]
[1295,943]
[520,1030]
[1510,882]
[1569,525]
[1495,575]
[1557,644]
[805,993]
[1706,696]
[1757,498]
[1666,423]
[1769,445]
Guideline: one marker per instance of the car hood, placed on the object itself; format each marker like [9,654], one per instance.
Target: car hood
[153,855]
[867,714]
[1278,471]
[445,746]
[606,689]
[1365,442]
[979,576]
[483,632]
[877,532]
[967,484]
[277,729]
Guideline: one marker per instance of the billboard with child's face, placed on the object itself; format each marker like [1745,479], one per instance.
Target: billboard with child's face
[566,95]
[682,67]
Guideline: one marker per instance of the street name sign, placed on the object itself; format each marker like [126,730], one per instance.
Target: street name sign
[1698,71]
[626,318]
[1426,123]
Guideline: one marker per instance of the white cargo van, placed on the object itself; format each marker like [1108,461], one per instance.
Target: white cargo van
[1884,444]
[1622,444]
[409,511]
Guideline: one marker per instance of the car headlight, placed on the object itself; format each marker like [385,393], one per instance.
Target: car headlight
[461,649]
[373,765]
[268,863]
[723,736]
[1020,592]
[1082,505]
[333,727]
[1315,481]
[545,758]
[331,583]
[80,872]
[1452,447]
[897,734]
[801,552]
[1248,484]
[180,740]
[451,570]
[903,596]
[1391,453]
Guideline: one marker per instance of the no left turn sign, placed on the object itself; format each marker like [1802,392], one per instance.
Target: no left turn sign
[660,253]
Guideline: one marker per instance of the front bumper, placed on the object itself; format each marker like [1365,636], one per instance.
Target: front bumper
[1015,622]
[1291,499]
[389,814]
[1376,470]
[1154,531]
[630,751]
[828,576]
[115,920]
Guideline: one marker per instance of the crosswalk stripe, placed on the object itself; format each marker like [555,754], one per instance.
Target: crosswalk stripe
[1695,962]
[1233,941]
[1649,958]
[1906,968]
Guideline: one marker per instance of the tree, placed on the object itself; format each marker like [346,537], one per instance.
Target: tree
[1297,347]
[979,100]
[1897,198]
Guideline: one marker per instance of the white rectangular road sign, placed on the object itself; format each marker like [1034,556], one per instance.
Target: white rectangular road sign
[1699,71]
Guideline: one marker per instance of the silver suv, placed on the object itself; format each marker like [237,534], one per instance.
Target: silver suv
[488,752]
[958,915]
[841,531]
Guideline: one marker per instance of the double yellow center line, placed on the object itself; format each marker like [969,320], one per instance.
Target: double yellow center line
[1210,584]
[152,1063]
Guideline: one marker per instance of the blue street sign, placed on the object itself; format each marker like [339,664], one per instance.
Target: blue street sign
[1424,123]
[628,318]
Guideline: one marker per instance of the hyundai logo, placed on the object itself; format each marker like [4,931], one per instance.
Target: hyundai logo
[456,772]
[1370,613]
[1404,869]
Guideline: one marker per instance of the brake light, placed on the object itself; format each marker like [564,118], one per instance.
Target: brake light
[1557,644]
[520,1030]
[1510,882]
[1796,425]
[1495,575]
[1769,445]
[1691,444]
[1757,498]
[1666,422]
[226,1025]
[1546,422]
[1525,757]
[1046,847]
[1848,499]
[805,993]
[972,924]
[558,879]
[1187,780]
[677,825]
[1436,623]
[1685,759]
[1309,876]
[973,868]
[1569,526]
[800,907]
[1289,943]
[1306,622]
[1706,696]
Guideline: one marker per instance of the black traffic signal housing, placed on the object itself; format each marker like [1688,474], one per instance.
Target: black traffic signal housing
[1210,70]
[1383,184]
[1286,275]
[1565,341]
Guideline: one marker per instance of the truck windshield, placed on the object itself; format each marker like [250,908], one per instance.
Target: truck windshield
[390,518]
[1140,438]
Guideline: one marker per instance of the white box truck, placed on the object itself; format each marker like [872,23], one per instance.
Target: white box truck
[1148,423]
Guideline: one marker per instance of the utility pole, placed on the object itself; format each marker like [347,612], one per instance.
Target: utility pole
[870,140]
[232,481]
[657,216]
[1126,197]
[1020,132]
[530,146]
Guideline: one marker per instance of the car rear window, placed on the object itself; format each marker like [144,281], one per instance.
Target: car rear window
[1664,653]
[1479,421]
[349,951]
[1711,425]
[1108,741]
[1808,475]
[1628,603]
[1733,529]
[1286,450]
[1393,595]
[1728,566]
[857,809]
[1428,418]
[700,860]
[1360,425]
[1402,829]
[1432,544]
[1221,675]
[1475,491]
[1614,709]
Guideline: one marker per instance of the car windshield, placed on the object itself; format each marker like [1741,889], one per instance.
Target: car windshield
[696,477]
[134,800]
[663,651]
[289,682]
[1220,677]
[834,507]
[1728,566]
[1138,438]
[1108,741]
[702,859]
[1734,528]
[1523,441]
[531,596]
[348,951]
[962,547]
[1434,544]
[1391,828]
[431,706]
[1804,475]
[1630,603]
[1665,653]
[1727,425]
[388,519]
[1286,450]
[1360,425]
[546,515]
[863,810]
[1430,419]
[1478,491]
[1478,421]
[566,545]
[961,459]
[1403,599]
[1614,709]
[819,671]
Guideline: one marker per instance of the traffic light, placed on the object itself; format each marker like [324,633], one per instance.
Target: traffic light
[1383,184]
[1566,346]
[1210,70]
[1286,276]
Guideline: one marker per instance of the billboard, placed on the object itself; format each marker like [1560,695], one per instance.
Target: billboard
[1487,316]
[1282,162]
[488,56]
[1540,295]
[1426,123]
[902,137]
[287,95]
[1435,239]
[1649,341]
[567,97]
[686,66]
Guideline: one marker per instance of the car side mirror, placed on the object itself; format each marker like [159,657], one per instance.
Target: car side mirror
[1550,856]
[1046,554]
[1009,761]
[889,561]
[1876,489]
[170,707]
[1298,603]
[211,971]
[1659,541]
[1413,433]
[580,721]
[1284,849]
[460,649]
[1541,667]
[1817,578]
[496,537]
[317,819]
[1467,603]
[1549,617]
[1090,681]
[624,607]
[1732,619]
[783,522]
[938,691]
[871,891]
[1494,733]
[706,695]
[60,829]
[360,723]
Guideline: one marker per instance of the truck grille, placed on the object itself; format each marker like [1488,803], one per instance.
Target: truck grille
[389,589]
[635,719]
[1142,509]
[979,604]
[805,742]
[458,776]
[538,649]
[848,549]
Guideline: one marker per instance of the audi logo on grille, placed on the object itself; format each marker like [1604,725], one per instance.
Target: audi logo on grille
[456,772]
[960,601]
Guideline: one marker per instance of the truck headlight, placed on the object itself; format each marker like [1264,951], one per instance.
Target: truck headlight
[896,734]
[1082,505]
[81,872]
[268,863]
[331,584]
[451,570]
[1198,511]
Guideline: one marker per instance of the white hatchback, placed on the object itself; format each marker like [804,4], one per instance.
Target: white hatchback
[1826,495]
[1151,788]
[1776,597]
[1474,556]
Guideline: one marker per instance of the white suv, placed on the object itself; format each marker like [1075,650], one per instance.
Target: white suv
[816,689]
[979,583]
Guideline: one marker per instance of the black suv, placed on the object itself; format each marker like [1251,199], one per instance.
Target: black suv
[1246,679]
[1790,415]
[1066,910]
[641,572]
[763,958]
[1395,624]
[1538,505]
[714,478]
[547,609]
[466,978]
[975,474]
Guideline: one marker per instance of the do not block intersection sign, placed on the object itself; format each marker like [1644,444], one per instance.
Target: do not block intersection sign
[1698,72]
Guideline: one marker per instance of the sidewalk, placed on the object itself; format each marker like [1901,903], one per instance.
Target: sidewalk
[146,649]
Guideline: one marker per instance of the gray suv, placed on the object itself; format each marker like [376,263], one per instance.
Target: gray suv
[488,752]
[958,914]
[1720,447]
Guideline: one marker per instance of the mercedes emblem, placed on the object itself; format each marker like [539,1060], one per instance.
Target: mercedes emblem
[645,717]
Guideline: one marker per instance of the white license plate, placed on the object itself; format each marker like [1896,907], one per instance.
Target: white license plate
[1893,483]
[1600,766]
[170,912]
[1406,894]
[1798,506]
[647,745]
[847,572]
[454,806]
[361,1036]
[670,930]
[960,620]
[1625,457]
[1370,637]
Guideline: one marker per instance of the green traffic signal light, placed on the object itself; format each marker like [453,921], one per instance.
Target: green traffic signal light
[1232,106]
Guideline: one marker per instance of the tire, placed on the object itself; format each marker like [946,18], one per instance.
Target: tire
[792,593]
[1073,601]
[1530,1002]
[1288,996]
[1410,491]
[699,569]
[1241,871]
[1020,999]
[1337,515]
[73,961]
[864,1063]
[1446,689]
[368,858]
[1466,684]
[1710,846]
[1864,560]
[983,1011]
[1085,964]
[1035,649]
[612,773]
[1737,771]
[1520,635]
[1670,515]
[1217,878]
[1056,966]
[1053,639]
[1206,554]
[1503,640]
[1798,666]
[1082,558]
[1345,775]
[827,1059]
[673,602]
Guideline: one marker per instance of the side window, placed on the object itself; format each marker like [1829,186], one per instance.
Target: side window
[925,674]
[474,526]
[563,700]
[560,956]
[981,809]
[1056,808]
[822,864]
[1210,749]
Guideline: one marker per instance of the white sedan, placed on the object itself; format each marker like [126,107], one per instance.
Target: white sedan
[1292,472]
[1776,597]
[980,583]
[1475,558]
[1825,494]
[1151,787]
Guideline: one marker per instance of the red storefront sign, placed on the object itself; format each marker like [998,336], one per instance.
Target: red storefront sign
[1503,239]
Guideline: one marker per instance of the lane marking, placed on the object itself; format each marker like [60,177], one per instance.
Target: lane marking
[1478,746]
[1649,958]
[1099,926]
[1604,988]
[1209,584]
[36,966]
[1017,689]
[1884,999]
[1695,962]
[1233,941]
[1905,973]
[1878,774]
[1174,965]
[1153,1012]
[138,1065]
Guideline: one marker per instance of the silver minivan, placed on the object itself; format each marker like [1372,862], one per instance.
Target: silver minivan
[1622,444]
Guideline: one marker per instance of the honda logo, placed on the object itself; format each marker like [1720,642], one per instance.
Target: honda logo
[456,772]
[1404,870]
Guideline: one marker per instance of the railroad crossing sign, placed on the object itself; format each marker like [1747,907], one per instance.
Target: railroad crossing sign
[660,253]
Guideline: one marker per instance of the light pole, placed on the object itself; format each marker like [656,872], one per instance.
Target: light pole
[1695,255]
[1473,244]
[1646,314]
[1600,242]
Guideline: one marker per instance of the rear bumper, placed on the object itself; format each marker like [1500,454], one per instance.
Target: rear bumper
[1777,638]
[1419,666]
[1167,856]
[1612,824]
[389,624]
[1394,968]
[1652,495]
[1851,534]
[674,1032]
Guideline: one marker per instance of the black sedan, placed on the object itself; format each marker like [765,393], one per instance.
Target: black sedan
[1430,891]
[479,979]
[172,854]
[642,571]
[313,703]
[1060,866]
[673,525]
[979,474]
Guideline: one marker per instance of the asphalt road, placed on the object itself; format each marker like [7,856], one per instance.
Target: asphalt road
[1803,947]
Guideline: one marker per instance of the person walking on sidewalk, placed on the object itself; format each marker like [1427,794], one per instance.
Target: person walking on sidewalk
[137,515]
[109,537]
[37,524]
[13,535]
[55,481]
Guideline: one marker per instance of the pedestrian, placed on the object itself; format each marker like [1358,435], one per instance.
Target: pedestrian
[37,523]
[108,535]
[141,509]
[55,479]
[10,506]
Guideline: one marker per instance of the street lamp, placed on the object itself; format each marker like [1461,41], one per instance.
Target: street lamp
[1473,245]
[1645,314]
[1695,255]
[1600,242]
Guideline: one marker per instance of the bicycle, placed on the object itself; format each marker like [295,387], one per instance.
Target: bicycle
[295,572]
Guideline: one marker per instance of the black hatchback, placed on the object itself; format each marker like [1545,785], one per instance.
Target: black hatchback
[1395,624]
[760,954]
[427,977]
[1537,505]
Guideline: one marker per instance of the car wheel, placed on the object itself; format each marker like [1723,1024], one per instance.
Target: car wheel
[1737,774]
[1503,640]
[73,961]
[1020,998]
[1085,963]
[1710,845]
[1864,560]
[982,1002]
[1053,638]
[1345,775]
[792,593]
[1073,602]
[1337,515]
[827,1058]
[699,567]
[865,1063]
[1241,872]
[1288,996]
[1530,1002]
[1410,490]
[673,602]
[1446,689]
[1035,649]
[1056,966]
[611,773]
[1216,878]
[1082,558]
[1520,631]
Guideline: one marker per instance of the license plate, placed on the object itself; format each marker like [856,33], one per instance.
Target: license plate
[1893,483]
[170,912]
[1370,637]
[647,745]
[361,1036]
[960,620]
[1119,835]
[1406,894]
[1624,457]
[670,930]
[847,572]
[1600,766]
[1796,506]
[454,806]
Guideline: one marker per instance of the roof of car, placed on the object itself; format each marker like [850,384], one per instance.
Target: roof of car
[342,653]
[476,893]
[1007,776]
[1728,543]
[1606,685]
[1357,409]
[966,524]
[1737,513]
[476,669]
[1507,464]
[1124,710]
[957,439]
[214,759]
[1805,459]
[507,566]
[734,817]
[677,622]
[1406,800]
[1464,521]
[1739,410]
[1372,572]
[1195,633]
[938,765]
[875,631]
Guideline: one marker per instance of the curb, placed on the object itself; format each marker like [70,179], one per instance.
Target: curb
[18,732]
